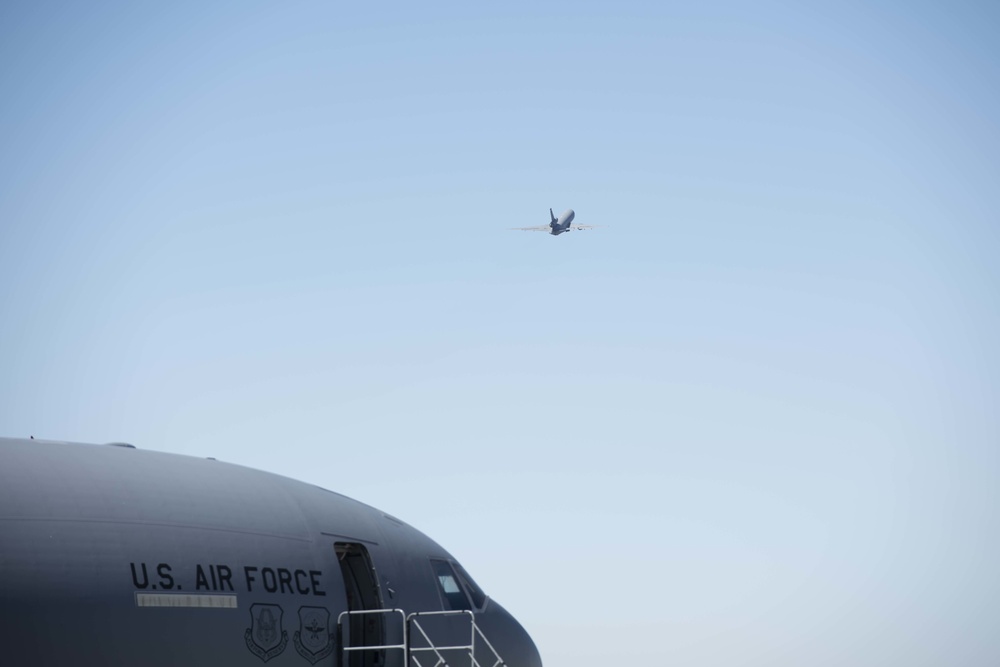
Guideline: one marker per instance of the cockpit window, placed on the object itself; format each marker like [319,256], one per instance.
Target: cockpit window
[452,593]
[475,592]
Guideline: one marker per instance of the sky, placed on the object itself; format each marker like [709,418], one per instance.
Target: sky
[752,419]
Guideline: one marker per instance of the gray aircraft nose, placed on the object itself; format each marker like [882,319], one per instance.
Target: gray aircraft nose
[507,636]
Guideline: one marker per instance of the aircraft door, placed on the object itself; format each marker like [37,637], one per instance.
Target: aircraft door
[363,594]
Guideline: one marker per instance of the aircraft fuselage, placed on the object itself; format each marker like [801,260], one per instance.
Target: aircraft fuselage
[562,223]
[111,555]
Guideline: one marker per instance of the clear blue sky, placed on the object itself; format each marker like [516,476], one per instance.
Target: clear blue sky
[752,420]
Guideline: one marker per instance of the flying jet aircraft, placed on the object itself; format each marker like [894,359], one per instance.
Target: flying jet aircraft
[564,223]
[111,555]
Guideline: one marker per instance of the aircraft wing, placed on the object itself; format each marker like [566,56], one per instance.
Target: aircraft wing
[585,227]
[546,228]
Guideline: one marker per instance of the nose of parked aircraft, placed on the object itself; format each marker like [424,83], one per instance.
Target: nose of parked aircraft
[509,639]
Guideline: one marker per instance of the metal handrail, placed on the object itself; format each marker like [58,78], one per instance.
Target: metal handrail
[345,648]
[470,647]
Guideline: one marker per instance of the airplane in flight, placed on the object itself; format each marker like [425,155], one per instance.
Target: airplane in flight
[112,555]
[560,225]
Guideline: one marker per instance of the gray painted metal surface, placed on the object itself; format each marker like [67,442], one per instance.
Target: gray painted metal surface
[118,556]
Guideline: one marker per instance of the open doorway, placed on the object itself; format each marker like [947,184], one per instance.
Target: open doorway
[361,584]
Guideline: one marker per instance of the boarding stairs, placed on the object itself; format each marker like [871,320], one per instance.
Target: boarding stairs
[426,639]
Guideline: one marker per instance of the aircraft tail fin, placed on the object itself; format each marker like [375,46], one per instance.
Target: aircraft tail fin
[552,215]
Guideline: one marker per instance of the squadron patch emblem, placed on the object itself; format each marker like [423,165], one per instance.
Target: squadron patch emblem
[265,637]
[313,640]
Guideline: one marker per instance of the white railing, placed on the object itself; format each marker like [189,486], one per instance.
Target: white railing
[479,651]
[345,637]
[413,628]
